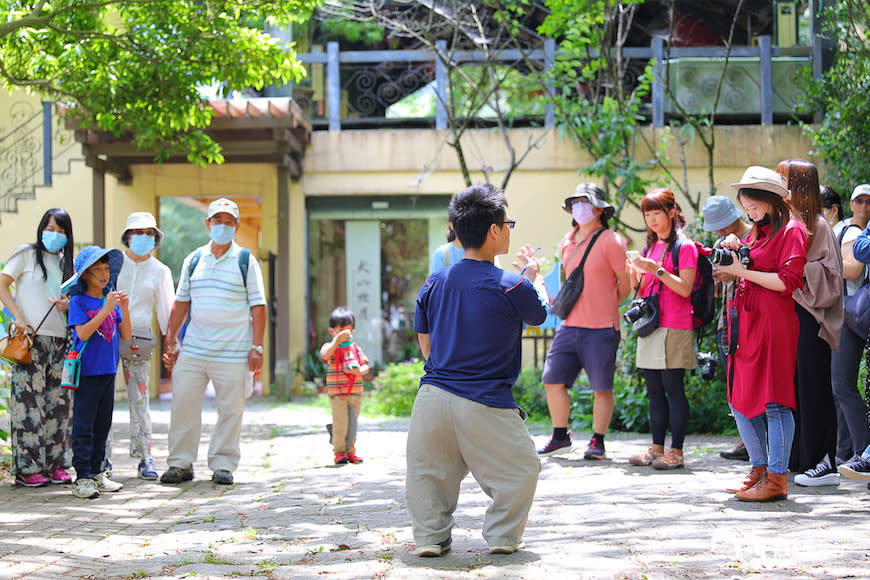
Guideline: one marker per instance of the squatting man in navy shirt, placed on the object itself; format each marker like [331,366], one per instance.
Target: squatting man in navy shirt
[469,321]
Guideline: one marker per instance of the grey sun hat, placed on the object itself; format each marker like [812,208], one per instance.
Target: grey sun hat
[719,213]
[757,177]
[594,194]
[141,220]
[89,256]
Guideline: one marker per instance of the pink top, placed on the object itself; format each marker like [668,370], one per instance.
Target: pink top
[676,311]
[597,306]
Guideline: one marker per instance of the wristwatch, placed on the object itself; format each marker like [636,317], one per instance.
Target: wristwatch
[660,272]
[257,348]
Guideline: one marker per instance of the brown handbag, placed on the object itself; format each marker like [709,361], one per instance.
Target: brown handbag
[18,345]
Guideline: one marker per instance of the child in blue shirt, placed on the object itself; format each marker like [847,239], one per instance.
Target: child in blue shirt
[99,316]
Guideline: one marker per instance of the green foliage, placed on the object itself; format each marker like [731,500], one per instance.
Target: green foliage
[395,389]
[529,394]
[135,67]
[842,139]
[597,102]
[183,231]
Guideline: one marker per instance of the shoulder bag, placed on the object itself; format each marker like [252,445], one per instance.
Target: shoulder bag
[140,345]
[18,346]
[856,307]
[570,291]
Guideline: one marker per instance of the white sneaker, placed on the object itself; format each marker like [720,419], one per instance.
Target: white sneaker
[105,484]
[434,550]
[507,549]
[85,488]
[821,474]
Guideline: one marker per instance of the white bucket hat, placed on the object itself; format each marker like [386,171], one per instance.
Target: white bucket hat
[141,220]
[757,177]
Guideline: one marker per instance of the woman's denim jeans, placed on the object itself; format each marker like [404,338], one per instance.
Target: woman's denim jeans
[768,436]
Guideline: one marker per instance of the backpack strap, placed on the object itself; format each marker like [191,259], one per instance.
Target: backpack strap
[842,233]
[244,256]
[675,255]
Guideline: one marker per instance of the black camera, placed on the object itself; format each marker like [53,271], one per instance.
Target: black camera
[708,363]
[718,256]
[638,309]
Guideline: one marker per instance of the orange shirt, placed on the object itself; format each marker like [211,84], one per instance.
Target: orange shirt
[597,306]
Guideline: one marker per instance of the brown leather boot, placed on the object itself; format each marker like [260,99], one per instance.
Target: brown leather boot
[755,474]
[771,487]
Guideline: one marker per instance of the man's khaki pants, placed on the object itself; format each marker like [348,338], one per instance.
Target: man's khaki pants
[449,436]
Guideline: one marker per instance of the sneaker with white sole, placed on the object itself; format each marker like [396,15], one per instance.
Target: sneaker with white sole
[506,549]
[821,474]
[85,488]
[434,550]
[856,468]
[105,484]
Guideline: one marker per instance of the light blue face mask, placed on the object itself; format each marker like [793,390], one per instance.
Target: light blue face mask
[221,234]
[141,244]
[53,241]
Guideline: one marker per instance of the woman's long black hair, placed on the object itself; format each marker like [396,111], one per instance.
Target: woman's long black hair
[64,222]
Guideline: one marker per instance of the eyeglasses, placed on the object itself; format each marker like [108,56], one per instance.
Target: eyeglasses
[509,223]
[861,200]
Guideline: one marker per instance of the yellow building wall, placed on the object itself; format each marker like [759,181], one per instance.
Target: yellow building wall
[384,163]
[233,181]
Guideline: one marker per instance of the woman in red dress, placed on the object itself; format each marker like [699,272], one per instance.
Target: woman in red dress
[763,320]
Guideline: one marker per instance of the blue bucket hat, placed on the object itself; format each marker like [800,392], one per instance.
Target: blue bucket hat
[89,256]
[719,213]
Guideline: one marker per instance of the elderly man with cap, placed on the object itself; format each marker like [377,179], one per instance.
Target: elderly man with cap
[221,288]
[148,283]
[853,435]
[723,217]
[588,337]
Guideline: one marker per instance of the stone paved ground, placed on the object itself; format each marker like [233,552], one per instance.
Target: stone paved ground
[291,514]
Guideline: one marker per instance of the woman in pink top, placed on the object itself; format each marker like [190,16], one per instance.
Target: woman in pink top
[665,354]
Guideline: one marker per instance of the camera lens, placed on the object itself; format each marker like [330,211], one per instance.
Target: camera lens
[721,257]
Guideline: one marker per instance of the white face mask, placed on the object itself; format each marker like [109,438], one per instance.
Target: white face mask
[583,213]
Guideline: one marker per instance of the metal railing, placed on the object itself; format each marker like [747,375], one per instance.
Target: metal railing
[28,150]
[333,60]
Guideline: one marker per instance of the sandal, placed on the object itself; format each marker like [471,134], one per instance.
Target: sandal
[647,458]
[672,459]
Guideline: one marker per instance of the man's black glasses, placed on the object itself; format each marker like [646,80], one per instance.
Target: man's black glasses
[509,223]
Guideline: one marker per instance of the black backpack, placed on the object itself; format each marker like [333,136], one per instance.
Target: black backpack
[704,291]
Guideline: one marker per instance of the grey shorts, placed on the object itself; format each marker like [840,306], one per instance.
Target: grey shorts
[576,349]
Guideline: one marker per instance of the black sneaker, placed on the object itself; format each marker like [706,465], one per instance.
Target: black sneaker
[222,477]
[595,449]
[556,447]
[856,468]
[739,453]
[177,474]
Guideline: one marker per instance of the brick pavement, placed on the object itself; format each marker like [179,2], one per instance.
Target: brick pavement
[291,514]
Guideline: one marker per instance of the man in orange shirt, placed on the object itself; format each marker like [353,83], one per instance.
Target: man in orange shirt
[589,336]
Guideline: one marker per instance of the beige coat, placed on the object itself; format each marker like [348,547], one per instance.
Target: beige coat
[822,292]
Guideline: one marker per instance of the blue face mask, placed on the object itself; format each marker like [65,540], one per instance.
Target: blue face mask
[141,244]
[221,234]
[53,241]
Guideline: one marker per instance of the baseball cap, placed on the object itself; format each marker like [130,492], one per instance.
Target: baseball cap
[863,189]
[223,205]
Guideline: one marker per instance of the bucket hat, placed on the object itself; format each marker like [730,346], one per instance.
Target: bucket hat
[89,256]
[719,213]
[594,194]
[223,205]
[142,220]
[757,177]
